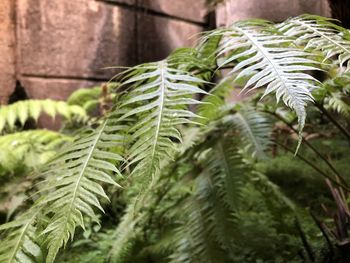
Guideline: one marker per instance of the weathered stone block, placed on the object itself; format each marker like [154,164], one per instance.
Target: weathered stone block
[7,50]
[129,2]
[74,38]
[158,36]
[190,10]
[275,10]
[57,89]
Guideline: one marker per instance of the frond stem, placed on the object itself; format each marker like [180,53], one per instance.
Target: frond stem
[308,144]
[312,165]
[345,132]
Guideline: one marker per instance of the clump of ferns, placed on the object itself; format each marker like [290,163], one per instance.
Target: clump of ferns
[141,135]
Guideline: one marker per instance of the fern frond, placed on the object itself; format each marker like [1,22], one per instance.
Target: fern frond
[253,128]
[20,245]
[34,147]
[215,104]
[207,232]
[74,180]
[121,239]
[21,111]
[158,97]
[319,33]
[270,60]
[336,103]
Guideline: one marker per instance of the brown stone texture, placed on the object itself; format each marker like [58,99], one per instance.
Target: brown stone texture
[7,50]
[77,38]
[274,10]
[69,40]
[158,36]
[129,2]
[57,89]
[194,10]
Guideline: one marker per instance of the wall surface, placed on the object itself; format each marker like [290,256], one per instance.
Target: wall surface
[7,49]
[274,10]
[53,47]
[62,45]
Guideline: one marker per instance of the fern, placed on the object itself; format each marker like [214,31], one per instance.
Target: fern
[21,111]
[72,183]
[319,33]
[158,97]
[336,103]
[21,245]
[198,185]
[207,232]
[33,147]
[254,129]
[269,59]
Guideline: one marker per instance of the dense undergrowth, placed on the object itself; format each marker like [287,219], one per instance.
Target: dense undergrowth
[163,165]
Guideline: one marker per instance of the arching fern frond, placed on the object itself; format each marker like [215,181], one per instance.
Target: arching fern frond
[207,230]
[158,98]
[20,246]
[253,128]
[270,60]
[319,33]
[336,103]
[21,111]
[73,183]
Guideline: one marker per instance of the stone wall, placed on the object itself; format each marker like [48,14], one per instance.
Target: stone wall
[62,45]
[52,47]
[7,49]
[274,10]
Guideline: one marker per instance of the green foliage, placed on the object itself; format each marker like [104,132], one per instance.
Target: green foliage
[21,111]
[197,170]
[90,99]
[31,148]
[159,95]
[260,50]
[319,33]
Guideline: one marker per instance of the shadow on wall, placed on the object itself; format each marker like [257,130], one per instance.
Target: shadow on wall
[153,35]
[138,36]
[117,43]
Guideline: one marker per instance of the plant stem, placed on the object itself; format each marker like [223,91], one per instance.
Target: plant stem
[313,166]
[308,144]
[345,132]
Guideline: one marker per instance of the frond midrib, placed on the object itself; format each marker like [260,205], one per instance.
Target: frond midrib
[162,66]
[21,236]
[224,159]
[320,34]
[262,50]
[250,132]
[89,156]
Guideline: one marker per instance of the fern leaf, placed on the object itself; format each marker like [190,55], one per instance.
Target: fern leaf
[33,147]
[254,129]
[20,245]
[207,232]
[21,111]
[270,60]
[319,33]
[158,97]
[336,103]
[120,240]
[73,184]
